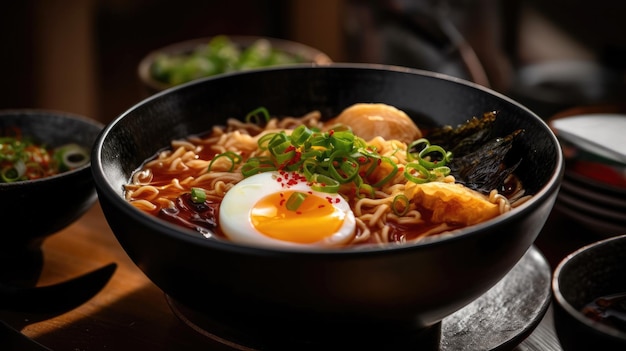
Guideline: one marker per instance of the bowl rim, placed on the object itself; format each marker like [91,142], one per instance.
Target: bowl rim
[57,114]
[180,47]
[550,187]
[564,303]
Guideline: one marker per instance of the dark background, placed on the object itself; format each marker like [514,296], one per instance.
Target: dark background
[81,56]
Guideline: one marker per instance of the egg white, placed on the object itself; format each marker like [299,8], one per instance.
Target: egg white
[234,213]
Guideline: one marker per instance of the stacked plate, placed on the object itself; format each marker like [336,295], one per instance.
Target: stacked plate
[593,191]
[597,206]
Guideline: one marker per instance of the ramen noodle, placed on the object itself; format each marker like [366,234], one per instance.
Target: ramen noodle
[397,191]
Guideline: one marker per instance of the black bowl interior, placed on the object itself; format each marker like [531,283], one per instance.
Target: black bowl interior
[594,271]
[314,285]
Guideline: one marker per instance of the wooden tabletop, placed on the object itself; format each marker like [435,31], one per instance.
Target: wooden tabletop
[131,313]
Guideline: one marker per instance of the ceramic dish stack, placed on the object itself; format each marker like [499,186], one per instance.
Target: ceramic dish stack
[593,191]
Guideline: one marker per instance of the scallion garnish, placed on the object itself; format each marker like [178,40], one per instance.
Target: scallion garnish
[234,159]
[390,175]
[295,200]
[198,195]
[400,205]
[10,174]
[324,183]
[255,165]
[328,160]
[258,116]
[428,163]
[71,156]
[24,159]
[417,173]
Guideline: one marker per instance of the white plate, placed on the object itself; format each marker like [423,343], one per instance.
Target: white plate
[598,133]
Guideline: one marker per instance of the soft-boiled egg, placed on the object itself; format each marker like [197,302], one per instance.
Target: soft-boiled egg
[263,210]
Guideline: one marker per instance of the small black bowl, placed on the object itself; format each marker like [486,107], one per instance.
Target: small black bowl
[594,271]
[33,210]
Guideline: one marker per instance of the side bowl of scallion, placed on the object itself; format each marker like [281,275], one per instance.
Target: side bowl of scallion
[45,181]
[198,58]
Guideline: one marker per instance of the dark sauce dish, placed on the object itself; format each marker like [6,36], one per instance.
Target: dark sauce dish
[589,291]
[32,210]
[387,293]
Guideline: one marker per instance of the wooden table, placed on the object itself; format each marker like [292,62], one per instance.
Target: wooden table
[131,313]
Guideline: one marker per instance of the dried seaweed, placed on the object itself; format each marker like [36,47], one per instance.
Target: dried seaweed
[466,137]
[486,168]
[480,159]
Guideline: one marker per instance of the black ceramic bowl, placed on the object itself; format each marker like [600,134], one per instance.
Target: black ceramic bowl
[371,293]
[35,209]
[594,271]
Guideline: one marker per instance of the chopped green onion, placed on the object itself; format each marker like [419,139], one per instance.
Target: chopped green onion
[300,135]
[423,173]
[433,149]
[431,162]
[258,116]
[22,158]
[198,195]
[10,174]
[347,165]
[295,200]
[400,205]
[265,140]
[363,188]
[390,175]
[414,145]
[441,172]
[324,183]
[256,165]
[329,159]
[233,157]
[342,141]
[71,156]
[283,152]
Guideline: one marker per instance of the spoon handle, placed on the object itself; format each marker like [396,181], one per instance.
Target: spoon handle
[57,297]
[12,339]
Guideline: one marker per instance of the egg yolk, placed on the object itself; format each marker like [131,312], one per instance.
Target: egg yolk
[315,219]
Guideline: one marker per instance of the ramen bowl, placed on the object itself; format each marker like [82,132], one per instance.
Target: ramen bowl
[589,293]
[191,59]
[32,210]
[356,295]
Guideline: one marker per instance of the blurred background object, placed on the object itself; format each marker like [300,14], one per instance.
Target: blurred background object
[197,58]
[81,55]
[547,55]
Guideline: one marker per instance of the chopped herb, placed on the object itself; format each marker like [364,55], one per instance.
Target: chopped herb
[198,195]
[295,201]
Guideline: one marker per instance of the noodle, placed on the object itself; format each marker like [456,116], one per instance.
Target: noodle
[187,164]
